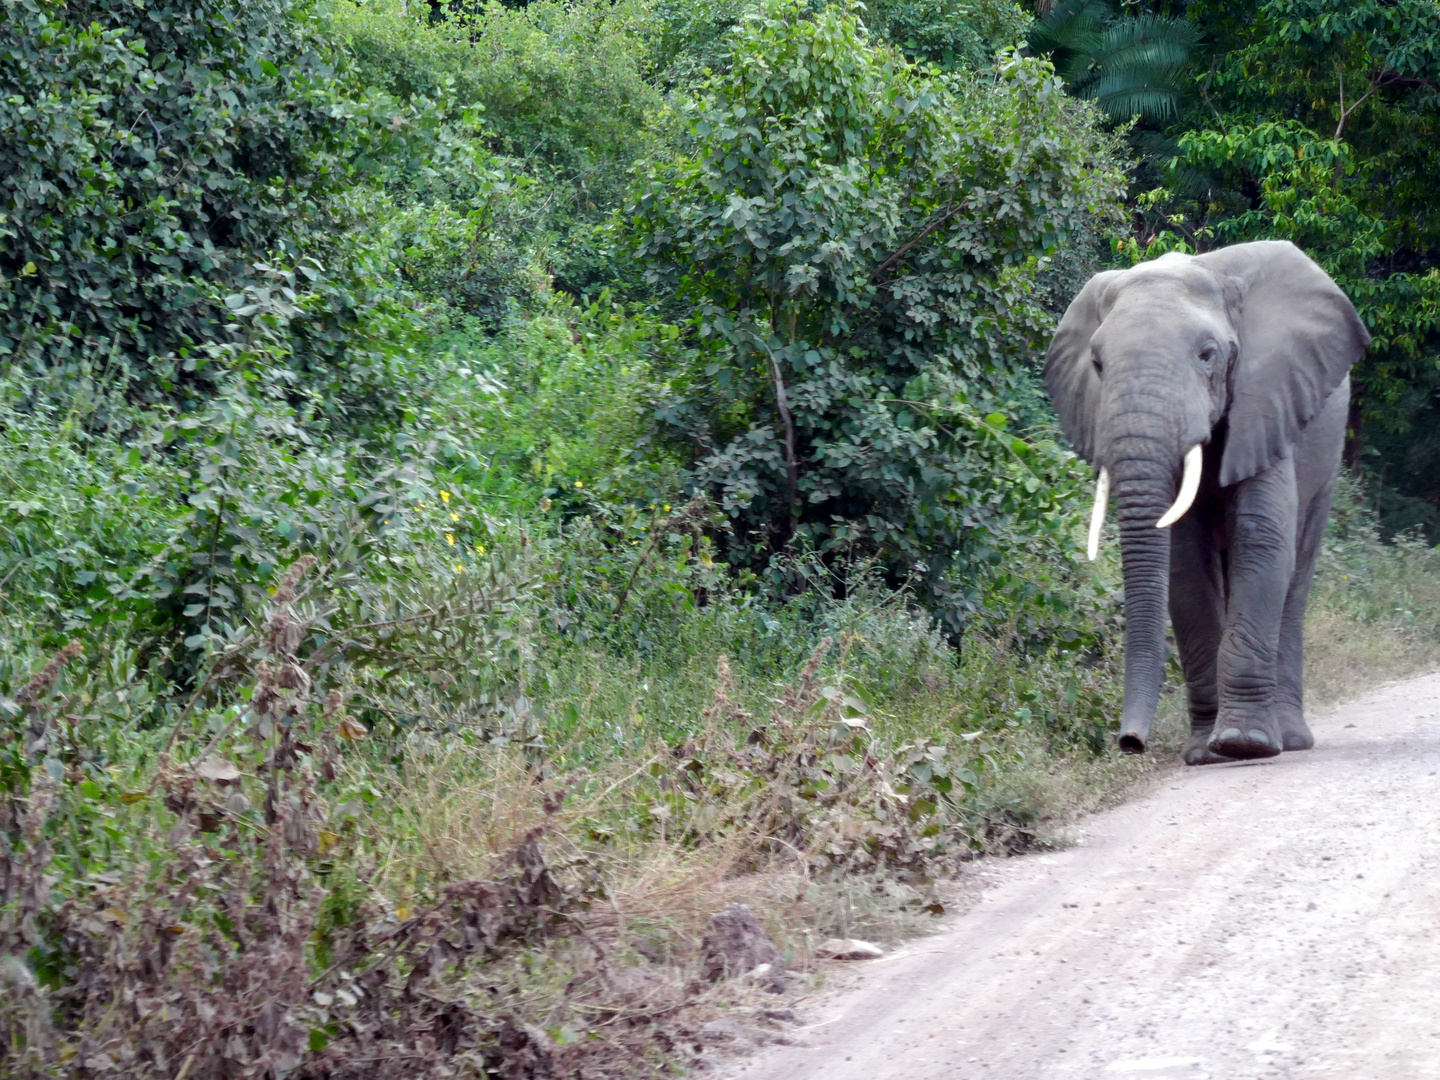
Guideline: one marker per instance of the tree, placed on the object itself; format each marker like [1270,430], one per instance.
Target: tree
[860,239]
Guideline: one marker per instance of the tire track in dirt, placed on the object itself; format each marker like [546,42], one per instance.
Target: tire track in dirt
[1277,919]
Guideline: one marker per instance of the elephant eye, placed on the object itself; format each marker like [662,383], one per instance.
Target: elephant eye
[1095,361]
[1209,353]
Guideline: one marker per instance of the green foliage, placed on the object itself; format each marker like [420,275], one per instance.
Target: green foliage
[175,533]
[565,98]
[151,164]
[458,231]
[950,36]
[568,415]
[694,36]
[1377,584]
[862,261]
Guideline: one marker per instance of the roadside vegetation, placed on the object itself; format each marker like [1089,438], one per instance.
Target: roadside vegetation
[484,488]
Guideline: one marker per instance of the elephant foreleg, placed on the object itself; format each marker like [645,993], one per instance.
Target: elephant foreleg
[1261,567]
[1197,612]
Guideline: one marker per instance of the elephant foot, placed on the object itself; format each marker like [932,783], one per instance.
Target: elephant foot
[1294,732]
[1197,748]
[1244,739]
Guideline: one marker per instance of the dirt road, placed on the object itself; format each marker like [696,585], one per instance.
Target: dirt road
[1274,919]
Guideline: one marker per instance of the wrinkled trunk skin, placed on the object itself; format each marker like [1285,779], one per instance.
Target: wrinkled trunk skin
[1145,485]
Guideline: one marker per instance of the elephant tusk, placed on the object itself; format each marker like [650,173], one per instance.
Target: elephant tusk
[1097,516]
[1189,485]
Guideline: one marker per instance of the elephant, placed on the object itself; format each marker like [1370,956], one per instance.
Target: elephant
[1212,393]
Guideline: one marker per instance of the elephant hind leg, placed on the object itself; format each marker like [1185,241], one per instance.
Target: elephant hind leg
[1290,666]
[1197,612]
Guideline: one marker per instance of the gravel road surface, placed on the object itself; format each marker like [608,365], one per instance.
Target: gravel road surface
[1272,919]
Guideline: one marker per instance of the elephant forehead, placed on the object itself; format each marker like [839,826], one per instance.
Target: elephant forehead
[1174,275]
[1166,283]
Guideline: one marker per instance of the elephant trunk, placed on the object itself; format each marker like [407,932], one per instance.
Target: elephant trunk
[1145,488]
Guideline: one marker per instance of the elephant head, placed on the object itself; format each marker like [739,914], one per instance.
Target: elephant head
[1237,348]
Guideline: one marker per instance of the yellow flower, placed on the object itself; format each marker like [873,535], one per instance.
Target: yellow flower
[419,506]
[479,549]
[450,539]
[579,483]
[454,516]
[444,495]
[667,508]
[458,568]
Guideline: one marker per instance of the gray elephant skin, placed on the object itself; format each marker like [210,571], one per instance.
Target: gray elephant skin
[1211,392]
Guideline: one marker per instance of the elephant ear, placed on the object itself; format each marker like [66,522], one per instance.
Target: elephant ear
[1299,334]
[1070,377]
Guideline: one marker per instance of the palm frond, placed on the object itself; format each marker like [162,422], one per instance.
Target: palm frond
[1170,31]
[1127,65]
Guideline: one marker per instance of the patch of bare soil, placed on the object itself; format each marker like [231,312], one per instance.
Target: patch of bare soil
[1278,919]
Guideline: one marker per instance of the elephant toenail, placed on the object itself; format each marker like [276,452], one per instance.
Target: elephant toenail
[1260,737]
[1228,735]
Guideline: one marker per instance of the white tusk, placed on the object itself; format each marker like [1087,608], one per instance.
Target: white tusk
[1189,485]
[1097,516]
